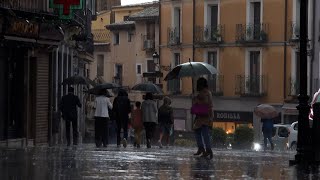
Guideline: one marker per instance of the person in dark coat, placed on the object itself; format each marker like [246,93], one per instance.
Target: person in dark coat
[267,128]
[68,107]
[121,110]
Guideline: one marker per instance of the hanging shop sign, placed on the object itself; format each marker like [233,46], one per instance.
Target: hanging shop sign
[23,28]
[66,7]
[50,32]
[233,116]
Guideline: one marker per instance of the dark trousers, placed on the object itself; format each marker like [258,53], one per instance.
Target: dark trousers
[150,129]
[122,124]
[267,135]
[101,131]
[203,137]
[74,122]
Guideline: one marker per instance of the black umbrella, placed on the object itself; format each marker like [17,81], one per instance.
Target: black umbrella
[94,91]
[73,80]
[103,86]
[148,87]
[191,69]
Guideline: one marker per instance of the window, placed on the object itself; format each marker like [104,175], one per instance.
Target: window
[254,79]
[151,67]
[283,132]
[254,21]
[118,74]
[125,18]
[130,35]
[174,85]
[116,38]
[212,79]
[139,69]
[100,65]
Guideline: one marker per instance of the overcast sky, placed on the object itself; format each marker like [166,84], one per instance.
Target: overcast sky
[126,2]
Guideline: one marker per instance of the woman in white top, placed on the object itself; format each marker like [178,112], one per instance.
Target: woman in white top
[101,116]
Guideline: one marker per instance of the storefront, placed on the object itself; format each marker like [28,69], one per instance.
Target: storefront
[230,120]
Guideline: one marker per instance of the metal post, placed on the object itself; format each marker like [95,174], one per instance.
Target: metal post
[304,151]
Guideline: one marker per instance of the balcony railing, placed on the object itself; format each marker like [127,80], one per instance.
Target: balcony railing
[294,87]
[101,35]
[251,33]
[209,34]
[174,36]
[148,43]
[25,5]
[253,86]
[215,83]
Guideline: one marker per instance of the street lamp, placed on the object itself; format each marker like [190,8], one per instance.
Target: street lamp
[156,57]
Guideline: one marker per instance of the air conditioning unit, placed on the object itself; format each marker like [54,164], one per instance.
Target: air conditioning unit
[148,44]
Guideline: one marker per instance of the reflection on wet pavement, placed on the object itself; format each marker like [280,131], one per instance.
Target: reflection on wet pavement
[88,162]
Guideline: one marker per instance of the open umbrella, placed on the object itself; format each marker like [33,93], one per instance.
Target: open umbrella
[191,69]
[103,86]
[74,80]
[148,87]
[266,111]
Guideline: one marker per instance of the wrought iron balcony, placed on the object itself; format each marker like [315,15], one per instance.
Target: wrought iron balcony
[209,34]
[252,86]
[148,43]
[215,83]
[294,87]
[251,33]
[101,35]
[174,36]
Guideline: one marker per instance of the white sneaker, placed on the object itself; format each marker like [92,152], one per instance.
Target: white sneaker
[160,144]
[124,142]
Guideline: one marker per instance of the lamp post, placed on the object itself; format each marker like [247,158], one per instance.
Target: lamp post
[304,150]
[156,58]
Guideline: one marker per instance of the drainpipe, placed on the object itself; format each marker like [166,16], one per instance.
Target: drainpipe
[159,34]
[285,49]
[313,32]
[193,27]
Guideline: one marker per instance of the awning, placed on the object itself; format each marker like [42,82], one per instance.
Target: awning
[86,57]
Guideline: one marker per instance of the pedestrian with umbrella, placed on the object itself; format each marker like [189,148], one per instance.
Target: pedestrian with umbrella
[101,115]
[266,112]
[121,111]
[149,117]
[202,103]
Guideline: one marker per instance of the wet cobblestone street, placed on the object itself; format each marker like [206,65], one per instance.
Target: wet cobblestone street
[88,162]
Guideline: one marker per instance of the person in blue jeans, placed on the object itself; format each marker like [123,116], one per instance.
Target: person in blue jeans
[202,124]
[267,128]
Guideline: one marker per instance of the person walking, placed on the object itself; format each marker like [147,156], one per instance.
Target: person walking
[165,119]
[137,124]
[68,107]
[122,109]
[149,117]
[267,128]
[101,116]
[202,125]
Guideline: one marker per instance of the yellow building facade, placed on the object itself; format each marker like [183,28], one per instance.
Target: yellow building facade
[252,44]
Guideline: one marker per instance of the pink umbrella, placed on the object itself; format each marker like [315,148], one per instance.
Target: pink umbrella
[266,111]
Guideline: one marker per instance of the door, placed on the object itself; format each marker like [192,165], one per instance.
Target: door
[212,79]
[253,82]
[3,94]
[118,74]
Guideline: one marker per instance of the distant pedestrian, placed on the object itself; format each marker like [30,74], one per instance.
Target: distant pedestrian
[202,125]
[68,107]
[137,123]
[267,128]
[101,115]
[149,117]
[121,110]
[165,120]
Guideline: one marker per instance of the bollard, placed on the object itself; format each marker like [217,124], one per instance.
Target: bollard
[316,132]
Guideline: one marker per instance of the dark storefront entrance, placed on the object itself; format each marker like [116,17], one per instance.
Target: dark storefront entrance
[13,82]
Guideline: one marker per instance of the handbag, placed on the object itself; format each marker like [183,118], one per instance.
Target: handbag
[200,109]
